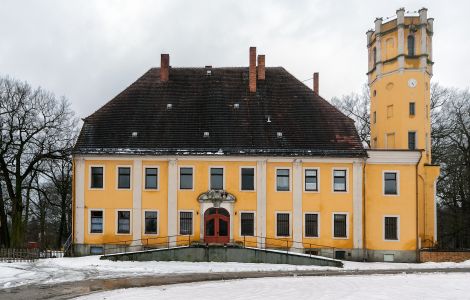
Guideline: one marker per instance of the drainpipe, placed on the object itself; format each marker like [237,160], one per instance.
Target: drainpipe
[417,208]
[364,243]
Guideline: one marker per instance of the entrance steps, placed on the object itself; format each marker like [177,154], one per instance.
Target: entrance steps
[224,253]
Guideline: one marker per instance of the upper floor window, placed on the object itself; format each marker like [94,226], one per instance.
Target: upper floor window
[282,180]
[96,178]
[411,45]
[151,178]
[412,109]
[339,180]
[217,179]
[411,140]
[311,180]
[390,183]
[186,178]
[247,179]
[124,178]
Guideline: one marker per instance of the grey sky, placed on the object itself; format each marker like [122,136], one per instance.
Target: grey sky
[89,51]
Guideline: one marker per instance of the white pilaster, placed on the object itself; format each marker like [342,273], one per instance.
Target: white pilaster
[137,202]
[79,226]
[261,201]
[172,201]
[357,205]
[297,204]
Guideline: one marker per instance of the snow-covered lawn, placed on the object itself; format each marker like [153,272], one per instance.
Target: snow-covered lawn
[403,286]
[73,269]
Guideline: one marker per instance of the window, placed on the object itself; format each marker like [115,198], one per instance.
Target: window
[390,183]
[124,221]
[311,180]
[186,178]
[411,45]
[217,179]
[391,228]
[282,226]
[282,180]
[374,54]
[151,221]
[374,118]
[390,140]
[340,226]
[389,111]
[96,221]
[248,179]
[340,254]
[96,250]
[339,180]
[96,178]
[124,178]
[151,178]
[412,140]
[311,225]
[186,222]
[247,224]
[412,108]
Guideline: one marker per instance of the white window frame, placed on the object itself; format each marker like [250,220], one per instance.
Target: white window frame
[333,179]
[193,177]
[116,222]
[305,227]
[398,228]
[89,177]
[398,183]
[89,221]
[254,179]
[117,178]
[240,212]
[158,222]
[290,224]
[158,178]
[290,179]
[304,179]
[333,225]
[209,175]
[179,221]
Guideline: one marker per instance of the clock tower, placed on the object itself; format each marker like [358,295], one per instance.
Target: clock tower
[399,73]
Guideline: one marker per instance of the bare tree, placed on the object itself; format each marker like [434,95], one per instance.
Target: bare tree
[35,126]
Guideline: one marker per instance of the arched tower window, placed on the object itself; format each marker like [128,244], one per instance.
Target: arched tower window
[374,55]
[411,45]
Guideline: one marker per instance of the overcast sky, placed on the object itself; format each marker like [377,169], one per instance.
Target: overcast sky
[89,51]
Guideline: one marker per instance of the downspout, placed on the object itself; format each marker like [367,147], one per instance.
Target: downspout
[364,243]
[417,207]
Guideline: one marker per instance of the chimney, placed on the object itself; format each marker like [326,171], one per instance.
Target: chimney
[252,71]
[261,67]
[316,84]
[165,67]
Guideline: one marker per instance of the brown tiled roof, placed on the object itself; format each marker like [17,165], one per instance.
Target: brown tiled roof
[201,103]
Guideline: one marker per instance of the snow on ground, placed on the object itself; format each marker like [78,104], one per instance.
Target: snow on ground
[57,270]
[403,286]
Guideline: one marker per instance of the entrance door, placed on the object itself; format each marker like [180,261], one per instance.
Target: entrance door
[216,226]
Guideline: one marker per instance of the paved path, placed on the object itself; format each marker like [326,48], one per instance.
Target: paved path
[74,289]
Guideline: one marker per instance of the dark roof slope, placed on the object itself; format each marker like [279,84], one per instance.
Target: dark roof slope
[200,102]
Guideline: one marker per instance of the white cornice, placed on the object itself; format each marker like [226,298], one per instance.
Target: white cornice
[393,157]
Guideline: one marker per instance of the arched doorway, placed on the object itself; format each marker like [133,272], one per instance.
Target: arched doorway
[216,225]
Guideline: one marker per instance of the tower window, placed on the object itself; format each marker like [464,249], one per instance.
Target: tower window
[389,111]
[374,119]
[411,45]
[412,108]
[374,54]
[412,140]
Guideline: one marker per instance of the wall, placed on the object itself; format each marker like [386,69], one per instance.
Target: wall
[440,256]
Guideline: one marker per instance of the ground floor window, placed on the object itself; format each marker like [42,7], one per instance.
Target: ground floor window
[151,221]
[124,222]
[283,226]
[96,222]
[186,222]
[391,228]
[247,224]
[311,225]
[340,225]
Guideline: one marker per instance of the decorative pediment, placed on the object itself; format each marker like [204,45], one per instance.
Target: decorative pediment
[216,197]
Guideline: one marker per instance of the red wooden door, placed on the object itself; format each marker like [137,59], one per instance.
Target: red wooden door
[216,226]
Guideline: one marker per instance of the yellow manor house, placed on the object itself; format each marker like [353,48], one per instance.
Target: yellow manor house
[252,156]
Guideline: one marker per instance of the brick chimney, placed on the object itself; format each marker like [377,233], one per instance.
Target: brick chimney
[316,83]
[261,67]
[252,71]
[165,67]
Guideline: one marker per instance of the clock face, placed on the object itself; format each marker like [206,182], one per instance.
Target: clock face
[412,83]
